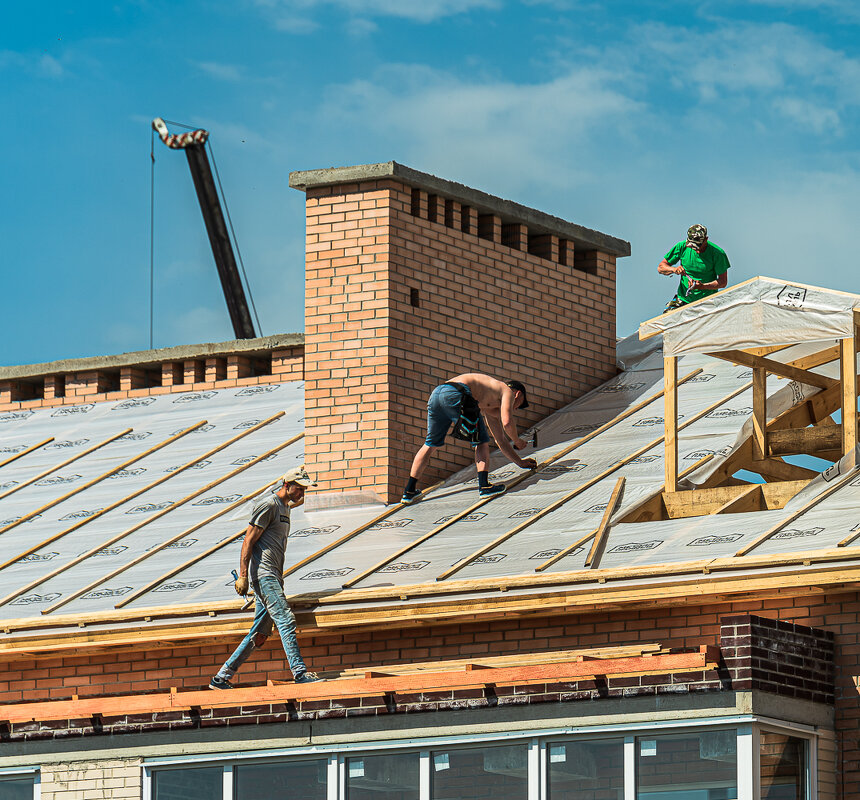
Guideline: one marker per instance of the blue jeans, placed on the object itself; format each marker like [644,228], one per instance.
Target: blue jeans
[443,409]
[272,608]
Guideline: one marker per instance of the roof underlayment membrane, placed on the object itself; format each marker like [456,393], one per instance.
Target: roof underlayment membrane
[37,580]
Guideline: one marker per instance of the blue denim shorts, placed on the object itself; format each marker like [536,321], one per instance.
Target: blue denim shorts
[443,410]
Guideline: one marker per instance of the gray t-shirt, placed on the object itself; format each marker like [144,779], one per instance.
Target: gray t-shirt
[267,557]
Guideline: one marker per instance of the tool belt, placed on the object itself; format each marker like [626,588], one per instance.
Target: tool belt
[466,427]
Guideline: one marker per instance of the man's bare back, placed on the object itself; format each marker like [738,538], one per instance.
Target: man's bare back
[488,391]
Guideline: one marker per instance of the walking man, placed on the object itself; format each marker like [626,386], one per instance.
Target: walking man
[702,265]
[466,402]
[263,559]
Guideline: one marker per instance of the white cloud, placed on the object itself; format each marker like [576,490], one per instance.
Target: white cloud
[298,25]
[223,72]
[50,67]
[499,127]
[415,10]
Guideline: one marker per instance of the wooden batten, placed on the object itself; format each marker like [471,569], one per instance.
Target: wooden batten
[670,422]
[848,371]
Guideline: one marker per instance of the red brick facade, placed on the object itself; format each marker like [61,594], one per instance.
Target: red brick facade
[122,671]
[405,290]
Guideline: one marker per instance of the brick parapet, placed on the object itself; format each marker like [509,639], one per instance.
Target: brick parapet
[784,658]
[118,382]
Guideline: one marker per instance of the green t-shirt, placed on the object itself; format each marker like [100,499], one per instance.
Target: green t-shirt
[706,267]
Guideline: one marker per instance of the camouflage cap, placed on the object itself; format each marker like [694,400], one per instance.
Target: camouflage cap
[696,234]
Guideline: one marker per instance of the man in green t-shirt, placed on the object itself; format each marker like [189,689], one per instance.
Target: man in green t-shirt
[703,267]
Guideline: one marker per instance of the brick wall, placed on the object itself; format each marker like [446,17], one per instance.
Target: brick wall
[117,672]
[119,383]
[114,779]
[405,290]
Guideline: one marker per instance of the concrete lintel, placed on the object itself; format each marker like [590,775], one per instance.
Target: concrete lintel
[538,221]
[153,358]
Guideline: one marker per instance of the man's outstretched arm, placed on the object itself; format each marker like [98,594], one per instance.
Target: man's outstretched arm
[498,432]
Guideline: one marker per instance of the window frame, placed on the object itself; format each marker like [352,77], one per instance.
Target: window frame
[35,772]
[747,729]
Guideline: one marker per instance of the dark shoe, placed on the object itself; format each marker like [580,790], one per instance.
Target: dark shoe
[493,490]
[410,497]
[308,677]
[220,683]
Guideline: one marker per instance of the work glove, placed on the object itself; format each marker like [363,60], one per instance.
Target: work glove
[241,586]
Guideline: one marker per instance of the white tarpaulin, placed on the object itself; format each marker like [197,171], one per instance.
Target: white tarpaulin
[757,313]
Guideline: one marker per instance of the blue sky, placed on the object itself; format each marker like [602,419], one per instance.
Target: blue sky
[637,119]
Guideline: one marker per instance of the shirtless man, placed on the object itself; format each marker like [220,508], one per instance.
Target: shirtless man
[466,401]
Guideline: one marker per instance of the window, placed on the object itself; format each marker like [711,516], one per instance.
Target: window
[305,779]
[496,773]
[17,787]
[189,784]
[783,767]
[393,776]
[689,760]
[697,766]
[587,770]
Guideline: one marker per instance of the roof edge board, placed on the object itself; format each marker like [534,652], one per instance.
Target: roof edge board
[692,590]
[540,221]
[153,358]
[676,574]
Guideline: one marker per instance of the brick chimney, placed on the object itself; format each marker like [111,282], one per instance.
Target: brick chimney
[411,280]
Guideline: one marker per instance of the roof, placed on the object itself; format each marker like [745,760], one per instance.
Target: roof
[138,537]
[759,312]
[538,221]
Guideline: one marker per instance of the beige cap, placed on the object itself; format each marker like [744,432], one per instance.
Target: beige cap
[300,476]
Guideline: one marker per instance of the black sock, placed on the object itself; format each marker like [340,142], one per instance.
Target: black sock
[483,479]
[412,484]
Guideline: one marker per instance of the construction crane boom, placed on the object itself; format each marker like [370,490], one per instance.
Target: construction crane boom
[194,145]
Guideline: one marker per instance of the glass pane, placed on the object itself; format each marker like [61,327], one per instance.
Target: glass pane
[693,766]
[16,788]
[500,773]
[783,767]
[590,770]
[392,776]
[305,779]
[189,784]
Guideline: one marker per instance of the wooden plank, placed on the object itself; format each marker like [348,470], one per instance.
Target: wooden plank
[471,509]
[848,371]
[775,469]
[140,491]
[776,368]
[816,359]
[749,499]
[837,484]
[767,349]
[805,441]
[651,507]
[166,543]
[670,423]
[759,416]
[65,463]
[594,555]
[407,683]
[26,451]
[779,575]
[169,440]
[704,502]
[505,536]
